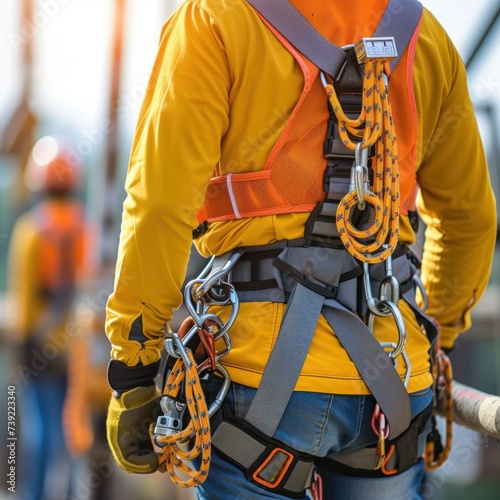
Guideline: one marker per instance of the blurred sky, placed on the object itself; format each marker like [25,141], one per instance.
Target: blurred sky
[72,40]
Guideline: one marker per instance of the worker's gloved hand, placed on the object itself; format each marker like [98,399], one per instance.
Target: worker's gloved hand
[131,413]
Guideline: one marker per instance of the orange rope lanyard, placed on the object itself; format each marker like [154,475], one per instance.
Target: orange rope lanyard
[442,370]
[374,126]
[199,427]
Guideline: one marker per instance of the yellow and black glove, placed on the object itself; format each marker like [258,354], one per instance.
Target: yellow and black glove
[134,407]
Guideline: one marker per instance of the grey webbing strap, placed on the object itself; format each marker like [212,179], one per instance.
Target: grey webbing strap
[400,20]
[302,35]
[286,360]
[373,364]
[363,458]
[246,451]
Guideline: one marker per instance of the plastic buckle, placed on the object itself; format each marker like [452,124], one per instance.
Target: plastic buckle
[273,468]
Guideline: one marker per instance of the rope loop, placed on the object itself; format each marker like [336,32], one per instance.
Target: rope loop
[443,377]
[198,429]
[373,127]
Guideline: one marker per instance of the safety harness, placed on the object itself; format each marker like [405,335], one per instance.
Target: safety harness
[348,267]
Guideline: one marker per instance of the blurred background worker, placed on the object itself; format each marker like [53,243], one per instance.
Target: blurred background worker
[47,257]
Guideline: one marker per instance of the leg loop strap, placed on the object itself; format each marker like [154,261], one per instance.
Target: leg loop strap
[265,461]
[403,453]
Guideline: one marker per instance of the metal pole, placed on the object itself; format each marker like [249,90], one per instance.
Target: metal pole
[110,210]
[479,44]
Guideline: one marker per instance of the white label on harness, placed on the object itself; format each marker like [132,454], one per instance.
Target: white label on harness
[375,48]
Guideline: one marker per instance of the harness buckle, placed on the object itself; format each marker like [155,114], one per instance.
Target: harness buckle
[273,468]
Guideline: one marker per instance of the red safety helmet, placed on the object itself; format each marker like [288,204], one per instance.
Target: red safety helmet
[49,169]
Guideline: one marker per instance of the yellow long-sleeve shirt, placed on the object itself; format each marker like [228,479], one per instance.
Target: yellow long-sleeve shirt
[221,90]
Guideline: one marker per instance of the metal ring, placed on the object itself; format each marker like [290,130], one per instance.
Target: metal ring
[358,183]
[389,289]
[400,324]
[372,302]
[406,359]
[423,291]
[392,310]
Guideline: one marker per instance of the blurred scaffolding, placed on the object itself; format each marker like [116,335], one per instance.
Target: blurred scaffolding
[79,69]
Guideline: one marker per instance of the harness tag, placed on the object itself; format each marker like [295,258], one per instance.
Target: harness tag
[376,47]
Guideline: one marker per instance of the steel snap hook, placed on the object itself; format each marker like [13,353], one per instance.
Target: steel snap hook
[176,349]
[359,174]
[423,292]
[400,324]
[196,308]
[218,274]
[217,403]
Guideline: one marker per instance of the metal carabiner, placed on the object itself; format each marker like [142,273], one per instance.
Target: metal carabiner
[423,291]
[323,78]
[204,365]
[381,428]
[406,359]
[359,175]
[171,422]
[217,275]
[216,404]
[372,302]
[389,287]
[196,308]
[400,324]
[235,303]
[175,348]
[219,294]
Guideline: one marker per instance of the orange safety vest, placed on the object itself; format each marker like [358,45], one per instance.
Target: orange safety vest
[291,180]
[62,246]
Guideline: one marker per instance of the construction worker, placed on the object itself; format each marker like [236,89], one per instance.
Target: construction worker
[239,131]
[48,255]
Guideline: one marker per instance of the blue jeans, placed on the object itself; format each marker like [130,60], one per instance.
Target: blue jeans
[318,424]
[42,445]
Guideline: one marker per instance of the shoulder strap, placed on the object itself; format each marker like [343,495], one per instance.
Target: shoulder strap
[301,34]
[400,21]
